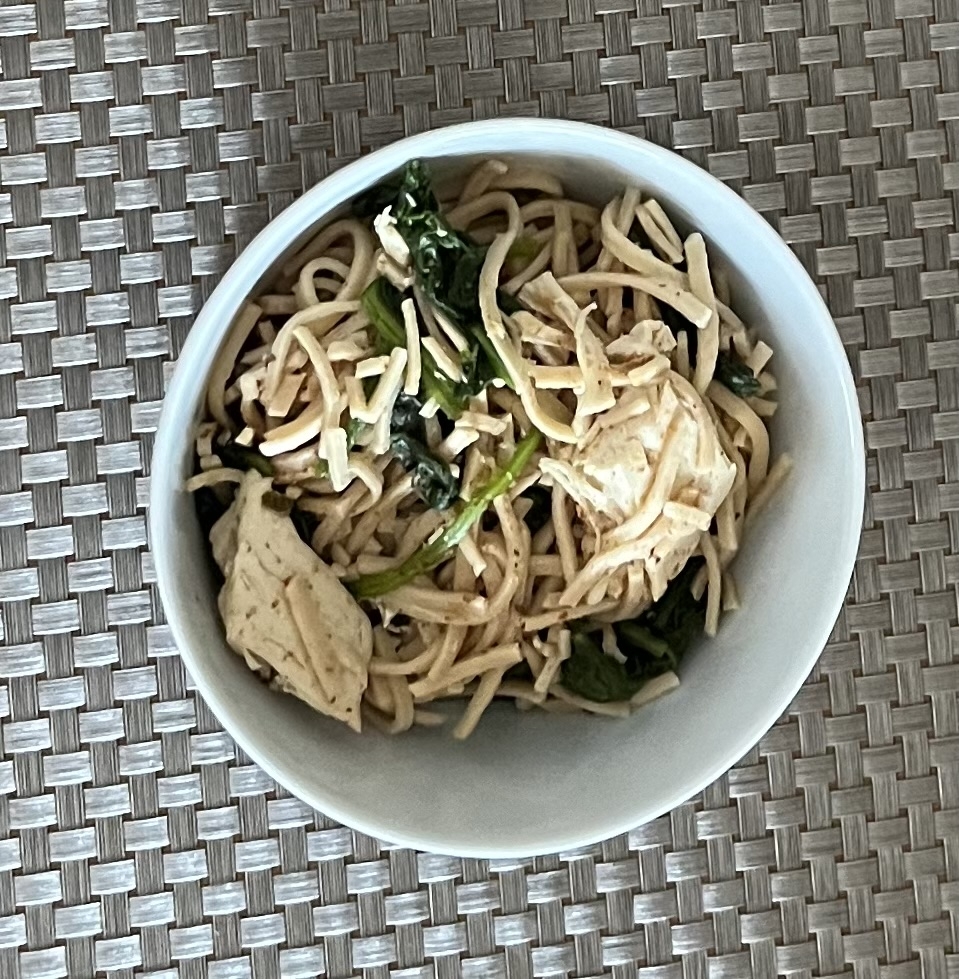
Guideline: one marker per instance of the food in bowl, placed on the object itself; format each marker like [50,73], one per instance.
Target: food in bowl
[491,444]
[532,782]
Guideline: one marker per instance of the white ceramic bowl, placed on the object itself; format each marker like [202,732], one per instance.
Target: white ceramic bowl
[529,783]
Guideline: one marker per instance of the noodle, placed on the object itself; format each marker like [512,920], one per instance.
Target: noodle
[224,364]
[702,289]
[383,408]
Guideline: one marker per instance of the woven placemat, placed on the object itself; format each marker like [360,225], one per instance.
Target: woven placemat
[142,142]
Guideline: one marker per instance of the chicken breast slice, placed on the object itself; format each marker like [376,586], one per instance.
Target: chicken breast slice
[285,610]
[622,476]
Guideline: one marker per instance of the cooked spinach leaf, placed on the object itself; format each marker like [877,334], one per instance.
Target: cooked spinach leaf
[354,431]
[430,555]
[590,673]
[379,197]
[236,456]
[652,643]
[446,263]
[407,415]
[523,250]
[735,375]
[489,364]
[447,267]
[508,304]
[381,303]
[730,370]
[677,617]
[642,639]
[432,478]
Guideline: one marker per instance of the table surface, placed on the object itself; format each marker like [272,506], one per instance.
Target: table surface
[142,143]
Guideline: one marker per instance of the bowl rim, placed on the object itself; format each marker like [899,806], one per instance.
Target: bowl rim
[211,325]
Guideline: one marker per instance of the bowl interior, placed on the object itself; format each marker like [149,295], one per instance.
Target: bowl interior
[531,782]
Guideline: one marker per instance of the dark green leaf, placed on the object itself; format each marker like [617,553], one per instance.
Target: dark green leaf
[235,456]
[354,431]
[407,416]
[678,598]
[375,200]
[489,365]
[590,673]
[381,303]
[735,375]
[414,194]
[641,640]
[523,250]
[678,617]
[432,478]
[652,643]
[507,303]
[430,555]
[447,265]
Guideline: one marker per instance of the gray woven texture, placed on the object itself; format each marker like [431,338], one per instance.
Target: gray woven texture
[142,142]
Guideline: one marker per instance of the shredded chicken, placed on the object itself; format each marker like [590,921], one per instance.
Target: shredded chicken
[625,477]
[284,609]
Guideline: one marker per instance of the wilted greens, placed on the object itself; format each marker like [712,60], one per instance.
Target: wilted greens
[381,303]
[653,643]
[447,268]
[432,477]
[735,375]
[430,555]
[236,456]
